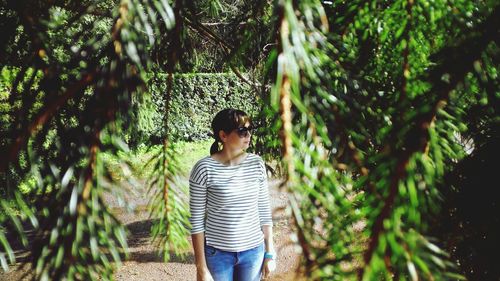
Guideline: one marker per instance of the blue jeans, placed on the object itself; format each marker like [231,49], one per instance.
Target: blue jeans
[238,266]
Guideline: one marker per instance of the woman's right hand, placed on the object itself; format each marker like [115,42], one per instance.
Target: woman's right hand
[203,275]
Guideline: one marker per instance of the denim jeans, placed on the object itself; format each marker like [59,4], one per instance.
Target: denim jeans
[237,266]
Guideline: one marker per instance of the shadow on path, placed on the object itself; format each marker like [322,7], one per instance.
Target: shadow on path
[143,250]
[152,256]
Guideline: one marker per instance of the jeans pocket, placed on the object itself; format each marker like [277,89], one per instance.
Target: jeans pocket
[210,251]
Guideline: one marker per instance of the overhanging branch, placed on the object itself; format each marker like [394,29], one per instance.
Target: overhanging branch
[457,62]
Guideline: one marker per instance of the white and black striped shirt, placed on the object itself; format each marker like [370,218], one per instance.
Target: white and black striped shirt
[230,203]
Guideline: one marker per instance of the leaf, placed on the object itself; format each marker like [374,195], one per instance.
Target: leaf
[26,210]
[6,245]
[94,248]
[67,177]
[166,13]
[412,191]
[73,200]
[59,257]
[401,28]
[412,270]
[3,262]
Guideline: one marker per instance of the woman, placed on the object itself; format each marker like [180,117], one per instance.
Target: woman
[229,202]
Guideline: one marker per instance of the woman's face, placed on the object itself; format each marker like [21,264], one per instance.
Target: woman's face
[238,138]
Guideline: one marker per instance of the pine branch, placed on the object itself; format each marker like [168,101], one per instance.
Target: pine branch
[227,48]
[469,51]
[286,132]
[90,171]
[41,119]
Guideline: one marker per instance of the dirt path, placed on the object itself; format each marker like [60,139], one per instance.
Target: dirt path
[144,264]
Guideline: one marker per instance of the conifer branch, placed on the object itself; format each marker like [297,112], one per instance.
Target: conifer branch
[469,51]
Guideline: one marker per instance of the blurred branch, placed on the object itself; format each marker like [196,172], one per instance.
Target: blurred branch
[90,171]
[457,62]
[226,48]
[41,119]
[286,132]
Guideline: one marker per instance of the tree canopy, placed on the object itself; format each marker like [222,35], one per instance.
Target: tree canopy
[376,109]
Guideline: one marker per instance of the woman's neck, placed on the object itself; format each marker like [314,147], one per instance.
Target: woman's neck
[230,156]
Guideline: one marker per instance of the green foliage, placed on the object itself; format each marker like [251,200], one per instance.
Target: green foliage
[201,93]
[220,36]
[169,203]
[367,138]
[138,158]
[376,108]
[191,152]
[69,100]
[195,100]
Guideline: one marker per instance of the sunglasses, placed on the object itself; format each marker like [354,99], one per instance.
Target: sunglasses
[244,131]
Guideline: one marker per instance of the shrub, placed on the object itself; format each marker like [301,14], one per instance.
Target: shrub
[195,100]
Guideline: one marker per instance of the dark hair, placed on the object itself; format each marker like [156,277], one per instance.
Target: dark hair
[227,120]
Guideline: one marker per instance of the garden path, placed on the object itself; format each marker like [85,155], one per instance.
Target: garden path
[144,264]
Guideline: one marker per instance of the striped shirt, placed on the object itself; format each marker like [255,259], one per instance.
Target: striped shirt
[230,203]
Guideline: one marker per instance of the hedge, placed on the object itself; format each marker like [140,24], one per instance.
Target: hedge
[195,99]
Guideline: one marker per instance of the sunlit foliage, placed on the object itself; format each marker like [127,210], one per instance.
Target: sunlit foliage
[373,108]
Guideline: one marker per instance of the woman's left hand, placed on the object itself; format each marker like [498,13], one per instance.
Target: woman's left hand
[268,267]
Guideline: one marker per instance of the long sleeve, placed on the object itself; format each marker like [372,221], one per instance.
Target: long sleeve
[264,205]
[197,198]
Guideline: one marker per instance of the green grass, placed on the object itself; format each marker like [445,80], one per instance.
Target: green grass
[188,153]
